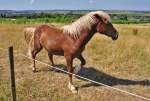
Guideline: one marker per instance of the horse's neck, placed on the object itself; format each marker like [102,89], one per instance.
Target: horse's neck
[85,37]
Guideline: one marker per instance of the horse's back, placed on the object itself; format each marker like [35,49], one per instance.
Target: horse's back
[49,32]
[49,29]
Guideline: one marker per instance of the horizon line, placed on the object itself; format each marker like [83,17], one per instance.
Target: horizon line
[71,10]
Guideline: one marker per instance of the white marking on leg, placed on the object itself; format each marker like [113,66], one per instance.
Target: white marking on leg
[33,69]
[72,88]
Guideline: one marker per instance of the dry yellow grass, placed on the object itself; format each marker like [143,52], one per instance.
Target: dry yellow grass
[124,64]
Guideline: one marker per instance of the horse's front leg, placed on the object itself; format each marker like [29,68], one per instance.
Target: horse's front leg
[69,61]
[83,62]
[50,55]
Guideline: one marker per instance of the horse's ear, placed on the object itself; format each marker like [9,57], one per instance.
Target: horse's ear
[97,17]
[100,18]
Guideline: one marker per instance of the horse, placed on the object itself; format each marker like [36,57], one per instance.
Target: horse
[70,40]
[29,36]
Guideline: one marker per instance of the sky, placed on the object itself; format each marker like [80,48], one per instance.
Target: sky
[75,4]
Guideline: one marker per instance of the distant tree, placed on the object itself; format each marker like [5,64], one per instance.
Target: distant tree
[125,17]
[3,15]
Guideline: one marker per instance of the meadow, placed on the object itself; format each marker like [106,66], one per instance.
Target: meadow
[123,64]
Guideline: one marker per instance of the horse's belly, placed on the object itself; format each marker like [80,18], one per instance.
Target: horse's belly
[53,46]
[60,53]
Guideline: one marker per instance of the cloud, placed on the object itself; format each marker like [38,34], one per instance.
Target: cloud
[32,2]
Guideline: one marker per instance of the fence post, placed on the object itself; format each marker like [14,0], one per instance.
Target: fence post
[12,74]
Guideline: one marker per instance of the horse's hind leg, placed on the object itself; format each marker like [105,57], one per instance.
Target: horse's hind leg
[34,53]
[80,57]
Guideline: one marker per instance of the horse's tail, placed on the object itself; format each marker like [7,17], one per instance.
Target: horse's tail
[29,34]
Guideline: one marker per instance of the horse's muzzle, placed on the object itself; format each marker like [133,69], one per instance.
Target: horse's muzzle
[115,37]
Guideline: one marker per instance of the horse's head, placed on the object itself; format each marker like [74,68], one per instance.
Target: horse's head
[105,27]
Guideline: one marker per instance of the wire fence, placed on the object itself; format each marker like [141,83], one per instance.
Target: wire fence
[81,77]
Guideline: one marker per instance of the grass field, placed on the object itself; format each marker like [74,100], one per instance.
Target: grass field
[123,64]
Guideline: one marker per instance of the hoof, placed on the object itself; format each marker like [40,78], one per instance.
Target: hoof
[72,88]
[34,70]
[75,91]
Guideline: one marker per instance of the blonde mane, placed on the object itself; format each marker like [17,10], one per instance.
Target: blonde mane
[84,23]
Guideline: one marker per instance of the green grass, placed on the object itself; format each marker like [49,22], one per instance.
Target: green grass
[129,22]
[25,20]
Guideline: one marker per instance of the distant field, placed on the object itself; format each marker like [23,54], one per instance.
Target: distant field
[123,64]
[59,20]
[36,18]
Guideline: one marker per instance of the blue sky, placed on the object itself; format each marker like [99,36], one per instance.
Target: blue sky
[75,4]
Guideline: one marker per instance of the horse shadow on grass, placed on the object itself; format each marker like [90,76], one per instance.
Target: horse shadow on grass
[98,76]
[107,79]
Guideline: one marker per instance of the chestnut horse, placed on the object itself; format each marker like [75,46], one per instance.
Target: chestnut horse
[70,40]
